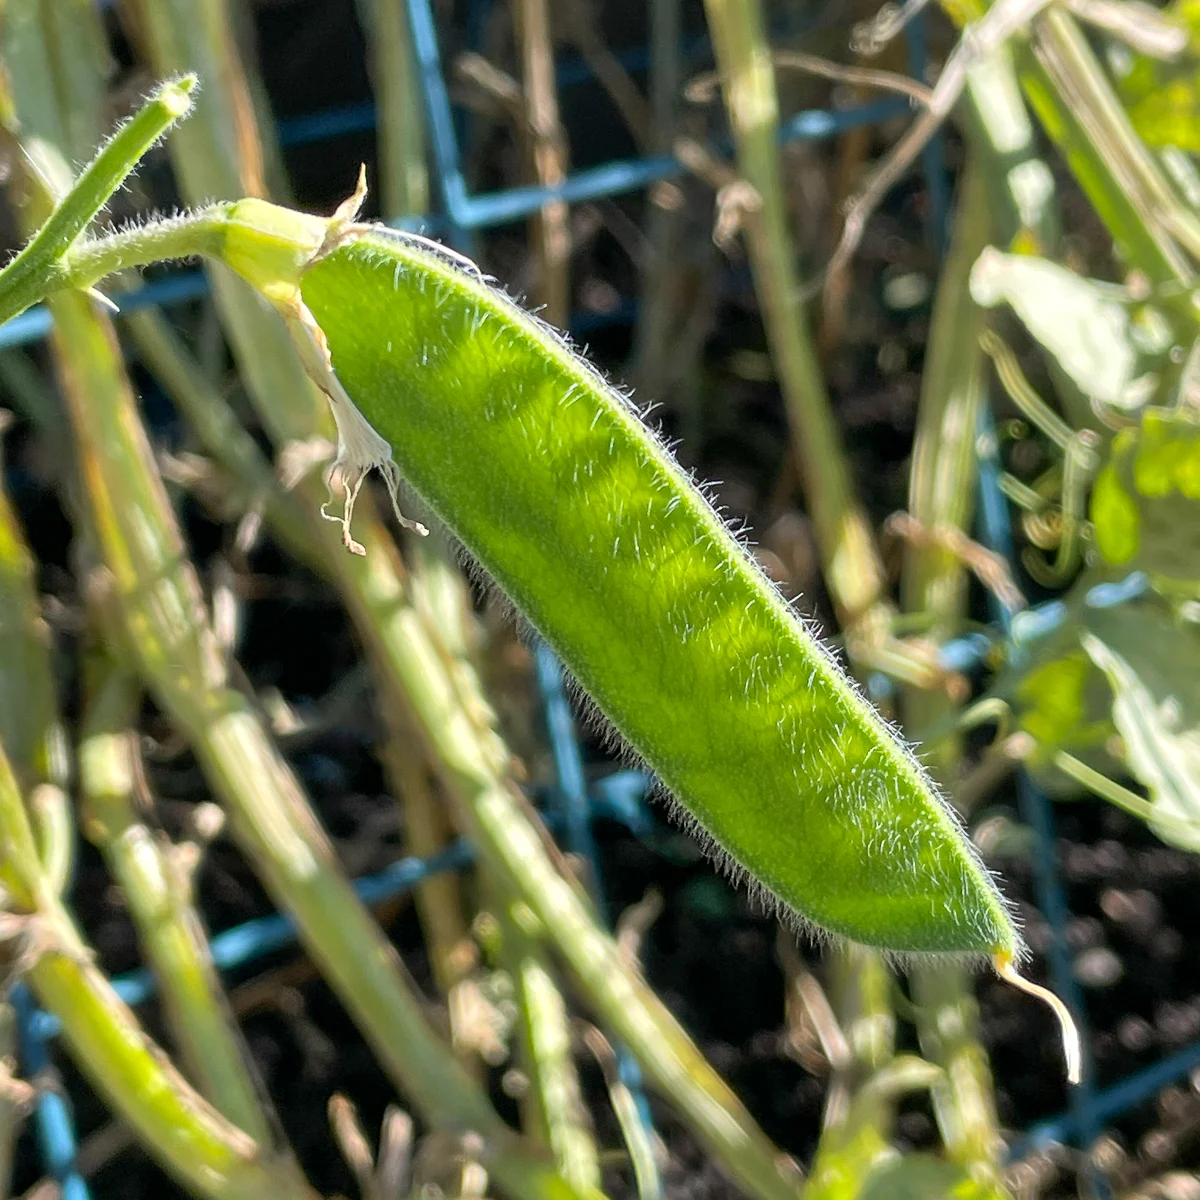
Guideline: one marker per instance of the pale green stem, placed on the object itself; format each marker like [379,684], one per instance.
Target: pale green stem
[192,1140]
[1021,392]
[198,233]
[1121,797]
[29,720]
[941,492]
[22,280]
[853,571]
[861,991]
[555,1106]
[403,175]
[157,887]
[643,1156]
[552,1105]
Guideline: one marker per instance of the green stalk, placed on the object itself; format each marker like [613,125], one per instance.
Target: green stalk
[30,724]
[639,1140]
[941,493]
[21,279]
[197,1145]
[852,569]
[29,720]
[552,1105]
[861,991]
[157,889]
[90,261]
[403,175]
[1071,95]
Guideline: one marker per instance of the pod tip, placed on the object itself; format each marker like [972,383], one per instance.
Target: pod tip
[1072,1047]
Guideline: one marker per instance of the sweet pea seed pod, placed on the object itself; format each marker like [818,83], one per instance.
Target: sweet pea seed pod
[579,513]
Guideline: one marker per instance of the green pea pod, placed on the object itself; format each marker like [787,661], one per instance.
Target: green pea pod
[578,512]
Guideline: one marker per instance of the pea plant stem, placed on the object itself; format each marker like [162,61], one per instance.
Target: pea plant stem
[23,276]
[852,568]
[190,1138]
[30,726]
[552,1106]
[156,883]
[934,583]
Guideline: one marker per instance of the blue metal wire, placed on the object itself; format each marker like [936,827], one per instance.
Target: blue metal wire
[1111,1102]
[52,1117]
[575,811]
[1036,810]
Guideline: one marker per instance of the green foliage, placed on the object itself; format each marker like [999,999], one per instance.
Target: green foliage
[1144,505]
[1163,96]
[1112,691]
[1152,662]
[1104,342]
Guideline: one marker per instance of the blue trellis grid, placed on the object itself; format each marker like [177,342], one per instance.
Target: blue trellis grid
[573,803]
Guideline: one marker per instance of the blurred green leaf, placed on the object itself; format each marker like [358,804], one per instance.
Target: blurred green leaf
[1143,506]
[1162,97]
[1052,705]
[1107,345]
[1152,663]
[1115,517]
[1127,669]
[924,1177]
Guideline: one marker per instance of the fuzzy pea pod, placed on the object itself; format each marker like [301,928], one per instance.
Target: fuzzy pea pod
[552,482]
[578,512]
